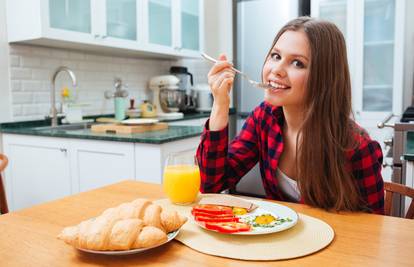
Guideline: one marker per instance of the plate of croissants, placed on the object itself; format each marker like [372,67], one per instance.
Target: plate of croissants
[129,228]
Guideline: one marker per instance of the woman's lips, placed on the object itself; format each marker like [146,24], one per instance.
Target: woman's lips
[277,86]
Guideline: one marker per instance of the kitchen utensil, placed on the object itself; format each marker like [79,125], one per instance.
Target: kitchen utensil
[139,121]
[171,100]
[132,112]
[276,210]
[119,98]
[127,129]
[148,110]
[252,82]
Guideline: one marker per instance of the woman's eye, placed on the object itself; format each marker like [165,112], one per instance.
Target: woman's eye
[298,63]
[275,56]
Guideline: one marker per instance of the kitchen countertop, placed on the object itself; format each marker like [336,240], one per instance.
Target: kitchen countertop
[173,133]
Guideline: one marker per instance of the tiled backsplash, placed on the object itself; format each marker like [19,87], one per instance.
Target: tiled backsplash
[31,68]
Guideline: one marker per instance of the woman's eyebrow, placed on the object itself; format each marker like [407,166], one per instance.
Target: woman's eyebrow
[290,55]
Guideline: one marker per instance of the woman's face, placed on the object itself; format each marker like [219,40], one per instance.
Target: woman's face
[286,69]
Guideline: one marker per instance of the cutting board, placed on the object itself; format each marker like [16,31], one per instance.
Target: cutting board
[127,129]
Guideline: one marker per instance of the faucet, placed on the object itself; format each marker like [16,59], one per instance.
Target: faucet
[53,110]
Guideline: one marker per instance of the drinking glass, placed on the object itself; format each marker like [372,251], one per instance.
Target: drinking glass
[181,178]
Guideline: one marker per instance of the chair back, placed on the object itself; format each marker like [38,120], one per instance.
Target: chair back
[3,200]
[404,191]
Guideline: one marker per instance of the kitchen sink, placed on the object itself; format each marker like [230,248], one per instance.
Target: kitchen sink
[65,127]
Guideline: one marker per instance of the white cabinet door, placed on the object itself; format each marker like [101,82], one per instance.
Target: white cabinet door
[100,163]
[191,27]
[39,170]
[175,26]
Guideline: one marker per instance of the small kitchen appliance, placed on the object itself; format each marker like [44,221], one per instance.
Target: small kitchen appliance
[203,97]
[167,96]
[185,84]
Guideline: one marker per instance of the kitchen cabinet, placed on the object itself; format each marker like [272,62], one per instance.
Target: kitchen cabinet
[378,34]
[46,168]
[175,26]
[97,163]
[38,170]
[148,27]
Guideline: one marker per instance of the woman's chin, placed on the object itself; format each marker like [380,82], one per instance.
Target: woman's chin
[273,100]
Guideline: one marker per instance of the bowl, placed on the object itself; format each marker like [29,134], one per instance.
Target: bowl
[133,113]
[172,100]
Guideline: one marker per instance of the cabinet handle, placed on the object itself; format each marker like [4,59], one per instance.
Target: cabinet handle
[63,150]
[103,36]
[96,36]
[386,164]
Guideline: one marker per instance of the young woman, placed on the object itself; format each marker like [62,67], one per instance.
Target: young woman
[308,147]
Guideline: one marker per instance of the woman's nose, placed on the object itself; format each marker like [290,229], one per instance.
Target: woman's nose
[278,70]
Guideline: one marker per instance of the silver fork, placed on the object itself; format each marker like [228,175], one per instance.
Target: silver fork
[252,82]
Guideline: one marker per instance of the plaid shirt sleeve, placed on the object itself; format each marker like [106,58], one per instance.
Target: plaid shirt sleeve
[366,168]
[221,164]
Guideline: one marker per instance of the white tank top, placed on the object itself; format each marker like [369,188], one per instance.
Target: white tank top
[288,186]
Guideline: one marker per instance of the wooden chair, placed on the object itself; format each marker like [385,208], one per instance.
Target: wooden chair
[3,201]
[404,191]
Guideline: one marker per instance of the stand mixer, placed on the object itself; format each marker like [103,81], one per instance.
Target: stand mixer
[167,96]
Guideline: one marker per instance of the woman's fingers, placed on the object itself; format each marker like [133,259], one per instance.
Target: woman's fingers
[227,83]
[217,80]
[219,66]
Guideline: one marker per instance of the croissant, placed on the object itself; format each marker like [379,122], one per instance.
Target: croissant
[136,224]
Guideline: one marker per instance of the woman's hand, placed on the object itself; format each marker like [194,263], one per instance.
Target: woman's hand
[220,79]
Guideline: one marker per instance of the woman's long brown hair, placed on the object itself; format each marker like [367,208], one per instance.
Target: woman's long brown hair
[327,130]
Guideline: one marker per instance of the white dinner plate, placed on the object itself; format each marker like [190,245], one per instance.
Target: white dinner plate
[265,207]
[170,236]
[139,121]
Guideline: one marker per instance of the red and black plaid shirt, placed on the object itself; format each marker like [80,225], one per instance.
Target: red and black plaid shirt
[222,165]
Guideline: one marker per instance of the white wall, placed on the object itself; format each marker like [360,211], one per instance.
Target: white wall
[32,66]
[5,105]
[219,28]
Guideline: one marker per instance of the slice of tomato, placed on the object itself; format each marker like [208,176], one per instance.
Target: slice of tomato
[228,227]
[199,213]
[212,209]
[216,219]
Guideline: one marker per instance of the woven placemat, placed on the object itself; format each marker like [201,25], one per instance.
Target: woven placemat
[308,236]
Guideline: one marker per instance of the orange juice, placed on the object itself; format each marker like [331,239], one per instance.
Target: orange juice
[181,183]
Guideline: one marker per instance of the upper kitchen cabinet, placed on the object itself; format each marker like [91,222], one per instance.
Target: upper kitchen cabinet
[145,27]
[191,25]
[175,26]
[375,32]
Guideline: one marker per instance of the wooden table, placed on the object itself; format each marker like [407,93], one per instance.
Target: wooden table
[28,237]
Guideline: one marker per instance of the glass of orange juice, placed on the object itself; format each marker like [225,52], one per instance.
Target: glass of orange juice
[181,178]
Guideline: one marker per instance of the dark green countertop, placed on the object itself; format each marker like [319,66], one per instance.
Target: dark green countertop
[173,133]
[409,149]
